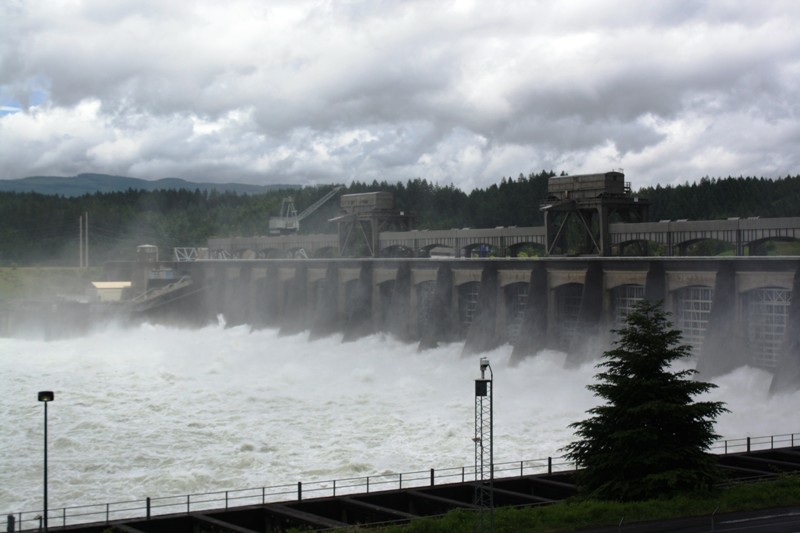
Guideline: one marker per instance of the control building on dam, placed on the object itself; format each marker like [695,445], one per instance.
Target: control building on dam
[443,286]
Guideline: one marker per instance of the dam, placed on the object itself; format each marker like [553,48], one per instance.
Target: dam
[732,311]
[595,257]
[565,285]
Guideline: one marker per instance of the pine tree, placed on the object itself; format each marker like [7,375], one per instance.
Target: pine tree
[650,439]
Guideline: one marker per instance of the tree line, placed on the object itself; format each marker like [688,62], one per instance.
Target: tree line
[37,229]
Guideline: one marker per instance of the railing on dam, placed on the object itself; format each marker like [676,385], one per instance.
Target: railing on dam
[145,508]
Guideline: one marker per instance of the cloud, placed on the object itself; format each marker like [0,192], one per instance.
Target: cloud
[455,92]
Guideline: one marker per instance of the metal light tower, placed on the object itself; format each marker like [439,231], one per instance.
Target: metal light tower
[484,443]
[45,396]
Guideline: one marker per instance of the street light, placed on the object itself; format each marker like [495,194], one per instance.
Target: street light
[45,396]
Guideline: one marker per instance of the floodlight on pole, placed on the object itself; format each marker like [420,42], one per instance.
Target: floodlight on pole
[45,396]
[484,442]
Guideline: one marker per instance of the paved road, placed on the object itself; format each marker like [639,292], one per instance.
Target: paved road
[782,520]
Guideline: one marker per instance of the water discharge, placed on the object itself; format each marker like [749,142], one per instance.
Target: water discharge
[156,411]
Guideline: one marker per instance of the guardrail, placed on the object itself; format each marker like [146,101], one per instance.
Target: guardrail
[106,512]
[748,444]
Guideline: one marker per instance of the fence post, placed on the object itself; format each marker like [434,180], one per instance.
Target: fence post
[432,478]
[334,487]
[748,444]
[299,490]
[263,495]
[462,474]
[726,447]
[521,468]
[367,484]
[107,512]
[148,507]
[188,503]
[226,499]
[772,442]
[549,465]
[64,518]
[400,486]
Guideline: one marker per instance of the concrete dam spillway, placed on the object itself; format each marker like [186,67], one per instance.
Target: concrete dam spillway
[732,311]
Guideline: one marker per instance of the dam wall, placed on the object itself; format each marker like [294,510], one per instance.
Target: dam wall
[731,310]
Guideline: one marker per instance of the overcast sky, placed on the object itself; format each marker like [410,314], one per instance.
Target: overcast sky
[462,93]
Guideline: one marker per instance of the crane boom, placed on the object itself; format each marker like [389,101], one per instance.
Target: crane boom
[289,221]
[316,205]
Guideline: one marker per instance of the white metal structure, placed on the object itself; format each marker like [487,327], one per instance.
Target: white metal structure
[289,219]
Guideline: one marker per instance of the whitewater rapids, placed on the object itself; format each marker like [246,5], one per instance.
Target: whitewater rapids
[156,411]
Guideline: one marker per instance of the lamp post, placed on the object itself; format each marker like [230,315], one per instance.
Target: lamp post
[45,396]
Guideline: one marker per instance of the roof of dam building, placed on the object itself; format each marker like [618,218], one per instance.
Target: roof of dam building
[111,284]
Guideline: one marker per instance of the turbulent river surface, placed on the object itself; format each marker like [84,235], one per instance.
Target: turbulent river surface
[155,411]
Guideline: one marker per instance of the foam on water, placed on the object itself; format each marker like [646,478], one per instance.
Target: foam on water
[155,411]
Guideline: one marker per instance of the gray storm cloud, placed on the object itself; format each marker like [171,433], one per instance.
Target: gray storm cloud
[455,92]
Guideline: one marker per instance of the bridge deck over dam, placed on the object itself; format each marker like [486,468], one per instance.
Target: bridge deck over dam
[745,236]
[732,310]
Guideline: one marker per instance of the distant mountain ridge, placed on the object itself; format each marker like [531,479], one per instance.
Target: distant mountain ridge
[105,183]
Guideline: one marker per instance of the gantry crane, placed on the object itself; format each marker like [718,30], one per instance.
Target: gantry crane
[289,219]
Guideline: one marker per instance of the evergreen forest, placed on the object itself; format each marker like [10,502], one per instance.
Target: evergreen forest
[43,230]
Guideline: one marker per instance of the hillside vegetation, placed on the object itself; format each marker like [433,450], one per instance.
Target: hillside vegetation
[48,283]
[39,229]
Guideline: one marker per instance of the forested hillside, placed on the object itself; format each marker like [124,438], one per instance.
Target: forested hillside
[92,183]
[722,198]
[37,229]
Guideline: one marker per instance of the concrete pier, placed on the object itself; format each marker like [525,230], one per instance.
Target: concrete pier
[731,310]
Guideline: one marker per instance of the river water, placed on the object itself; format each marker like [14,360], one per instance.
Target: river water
[156,411]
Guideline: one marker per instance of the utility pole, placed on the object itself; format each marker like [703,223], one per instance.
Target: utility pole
[80,242]
[83,240]
[86,237]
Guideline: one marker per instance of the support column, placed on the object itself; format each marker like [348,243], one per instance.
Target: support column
[442,319]
[590,317]
[655,288]
[399,316]
[323,302]
[787,375]
[482,335]
[294,305]
[359,306]
[533,336]
[724,347]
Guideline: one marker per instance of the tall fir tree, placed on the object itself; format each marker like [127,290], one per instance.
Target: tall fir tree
[650,439]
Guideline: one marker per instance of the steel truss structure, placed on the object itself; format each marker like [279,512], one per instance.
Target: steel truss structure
[484,446]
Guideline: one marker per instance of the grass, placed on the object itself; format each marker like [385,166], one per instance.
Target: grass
[785,248]
[576,514]
[34,283]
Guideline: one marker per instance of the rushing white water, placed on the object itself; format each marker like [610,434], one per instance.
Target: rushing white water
[154,411]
